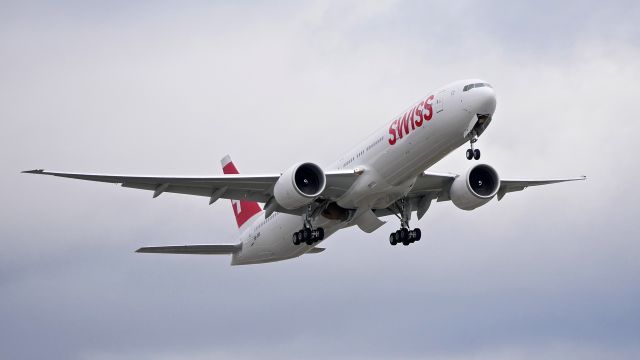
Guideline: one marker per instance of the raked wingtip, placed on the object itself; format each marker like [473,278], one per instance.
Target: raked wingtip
[35,171]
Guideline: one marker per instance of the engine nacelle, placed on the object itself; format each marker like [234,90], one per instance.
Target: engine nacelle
[474,189]
[299,185]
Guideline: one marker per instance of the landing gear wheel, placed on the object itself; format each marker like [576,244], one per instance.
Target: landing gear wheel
[392,239]
[418,234]
[295,239]
[404,234]
[309,242]
[476,154]
[470,154]
[306,234]
[320,234]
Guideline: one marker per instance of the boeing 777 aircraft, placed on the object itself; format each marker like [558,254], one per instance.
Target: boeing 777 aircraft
[383,175]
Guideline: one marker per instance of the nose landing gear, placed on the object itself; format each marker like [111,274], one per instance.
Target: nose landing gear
[473,153]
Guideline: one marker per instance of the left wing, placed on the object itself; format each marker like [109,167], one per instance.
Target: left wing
[257,188]
[507,186]
[435,186]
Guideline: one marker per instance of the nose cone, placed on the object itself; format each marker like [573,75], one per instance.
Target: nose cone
[480,100]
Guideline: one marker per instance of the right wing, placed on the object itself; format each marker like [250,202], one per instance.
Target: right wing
[257,188]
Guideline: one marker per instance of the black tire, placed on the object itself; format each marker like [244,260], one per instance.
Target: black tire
[295,239]
[476,154]
[309,242]
[392,239]
[404,234]
[418,234]
[406,243]
[306,234]
[469,154]
[320,234]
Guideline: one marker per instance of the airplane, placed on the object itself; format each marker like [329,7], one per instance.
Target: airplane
[384,175]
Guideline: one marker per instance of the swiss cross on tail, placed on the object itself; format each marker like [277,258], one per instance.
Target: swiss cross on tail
[243,210]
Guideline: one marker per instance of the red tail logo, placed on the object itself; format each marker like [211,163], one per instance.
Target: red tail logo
[244,210]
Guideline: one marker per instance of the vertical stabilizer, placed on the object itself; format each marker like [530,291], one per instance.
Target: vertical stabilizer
[242,209]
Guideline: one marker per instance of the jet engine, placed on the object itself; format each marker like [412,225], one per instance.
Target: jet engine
[299,185]
[475,188]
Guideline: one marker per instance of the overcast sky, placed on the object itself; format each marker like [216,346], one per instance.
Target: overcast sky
[159,87]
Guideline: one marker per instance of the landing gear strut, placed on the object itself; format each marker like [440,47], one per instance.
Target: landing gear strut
[308,234]
[473,153]
[404,235]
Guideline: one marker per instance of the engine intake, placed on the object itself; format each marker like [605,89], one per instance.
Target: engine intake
[299,185]
[479,185]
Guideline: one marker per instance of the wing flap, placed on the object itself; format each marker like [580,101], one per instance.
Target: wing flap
[429,183]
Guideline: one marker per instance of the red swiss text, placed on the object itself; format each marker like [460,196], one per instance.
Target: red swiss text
[409,121]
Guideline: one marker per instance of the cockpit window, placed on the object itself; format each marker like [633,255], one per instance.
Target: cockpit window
[476,85]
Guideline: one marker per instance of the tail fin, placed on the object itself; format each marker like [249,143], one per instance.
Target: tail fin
[243,210]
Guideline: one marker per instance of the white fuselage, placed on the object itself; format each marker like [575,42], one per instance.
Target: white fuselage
[391,159]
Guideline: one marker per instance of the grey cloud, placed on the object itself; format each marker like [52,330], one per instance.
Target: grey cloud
[158,89]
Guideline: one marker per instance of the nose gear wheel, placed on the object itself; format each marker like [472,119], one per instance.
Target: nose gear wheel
[473,153]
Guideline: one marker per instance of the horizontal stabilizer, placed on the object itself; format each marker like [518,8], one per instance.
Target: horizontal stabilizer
[192,249]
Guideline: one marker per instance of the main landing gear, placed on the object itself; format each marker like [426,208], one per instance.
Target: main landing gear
[404,235]
[308,234]
[473,153]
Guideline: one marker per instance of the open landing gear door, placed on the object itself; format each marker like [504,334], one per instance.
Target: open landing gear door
[367,221]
